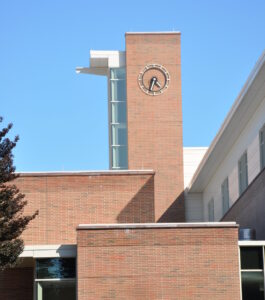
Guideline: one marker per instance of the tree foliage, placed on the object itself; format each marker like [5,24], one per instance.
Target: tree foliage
[12,202]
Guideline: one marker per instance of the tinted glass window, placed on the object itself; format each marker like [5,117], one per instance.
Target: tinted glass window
[252,286]
[211,210]
[118,73]
[118,119]
[55,268]
[243,173]
[56,290]
[262,147]
[118,90]
[118,112]
[251,258]
[225,195]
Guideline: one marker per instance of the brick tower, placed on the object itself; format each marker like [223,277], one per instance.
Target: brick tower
[154,117]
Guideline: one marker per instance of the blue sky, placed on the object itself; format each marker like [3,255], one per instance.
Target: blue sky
[61,117]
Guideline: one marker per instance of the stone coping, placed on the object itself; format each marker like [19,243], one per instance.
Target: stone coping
[152,32]
[157,225]
[87,173]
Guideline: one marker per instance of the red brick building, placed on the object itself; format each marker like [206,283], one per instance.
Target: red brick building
[118,234]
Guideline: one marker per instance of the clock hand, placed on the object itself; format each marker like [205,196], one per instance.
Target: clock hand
[152,83]
[158,84]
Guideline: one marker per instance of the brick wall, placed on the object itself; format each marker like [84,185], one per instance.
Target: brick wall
[16,284]
[158,263]
[66,201]
[155,122]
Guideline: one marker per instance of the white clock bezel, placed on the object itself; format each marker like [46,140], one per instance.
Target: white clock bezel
[157,67]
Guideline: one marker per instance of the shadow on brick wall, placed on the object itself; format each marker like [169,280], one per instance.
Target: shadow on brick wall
[175,212]
[140,209]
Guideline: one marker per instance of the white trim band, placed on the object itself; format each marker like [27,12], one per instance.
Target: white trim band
[158,225]
[251,243]
[38,251]
[87,173]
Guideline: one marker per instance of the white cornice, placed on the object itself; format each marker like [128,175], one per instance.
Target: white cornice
[157,225]
[87,173]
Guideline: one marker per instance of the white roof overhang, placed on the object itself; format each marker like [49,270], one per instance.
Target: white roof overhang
[38,251]
[102,61]
[242,110]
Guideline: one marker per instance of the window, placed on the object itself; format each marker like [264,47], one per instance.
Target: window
[211,210]
[252,274]
[55,279]
[225,195]
[262,147]
[243,173]
[118,119]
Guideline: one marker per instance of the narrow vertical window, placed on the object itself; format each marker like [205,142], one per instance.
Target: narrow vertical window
[225,195]
[262,147]
[252,273]
[211,210]
[243,173]
[118,119]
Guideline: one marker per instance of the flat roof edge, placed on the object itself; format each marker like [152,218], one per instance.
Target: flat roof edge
[87,173]
[251,243]
[195,147]
[152,32]
[157,225]
[103,52]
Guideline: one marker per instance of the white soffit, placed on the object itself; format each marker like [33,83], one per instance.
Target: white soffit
[39,251]
[242,110]
[102,61]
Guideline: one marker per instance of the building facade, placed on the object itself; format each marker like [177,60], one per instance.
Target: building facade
[236,156]
[229,184]
[121,233]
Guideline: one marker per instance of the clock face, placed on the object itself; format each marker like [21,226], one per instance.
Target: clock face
[154,79]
